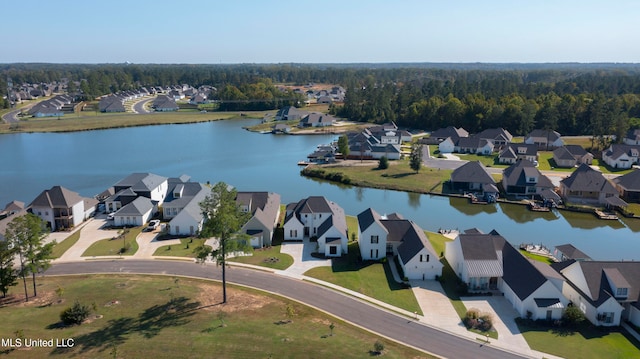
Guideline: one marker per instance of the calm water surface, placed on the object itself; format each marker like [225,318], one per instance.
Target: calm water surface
[89,162]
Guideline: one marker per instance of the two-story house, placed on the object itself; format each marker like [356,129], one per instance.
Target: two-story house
[61,208]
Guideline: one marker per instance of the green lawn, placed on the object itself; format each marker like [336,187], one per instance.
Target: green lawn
[371,278]
[184,249]
[111,247]
[397,177]
[438,241]
[352,226]
[537,257]
[170,317]
[487,161]
[60,248]
[586,342]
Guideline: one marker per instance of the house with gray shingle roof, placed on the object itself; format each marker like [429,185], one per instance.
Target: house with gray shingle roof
[588,186]
[544,139]
[566,252]
[487,262]
[513,152]
[315,119]
[316,217]
[632,137]
[524,179]
[379,236]
[61,208]
[182,206]
[629,186]
[571,156]
[621,155]
[164,103]
[499,136]
[136,213]
[442,134]
[607,292]
[265,212]
[473,177]
[290,113]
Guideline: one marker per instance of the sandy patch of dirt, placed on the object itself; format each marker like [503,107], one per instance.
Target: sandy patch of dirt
[211,296]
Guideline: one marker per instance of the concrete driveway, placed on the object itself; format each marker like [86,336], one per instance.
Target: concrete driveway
[94,230]
[302,259]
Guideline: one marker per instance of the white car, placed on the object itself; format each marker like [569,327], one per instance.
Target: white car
[111,216]
[153,224]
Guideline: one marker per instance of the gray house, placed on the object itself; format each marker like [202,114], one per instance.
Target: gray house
[473,177]
[571,156]
[524,179]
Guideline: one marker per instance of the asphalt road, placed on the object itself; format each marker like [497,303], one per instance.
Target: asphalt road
[377,320]
[12,116]
[138,107]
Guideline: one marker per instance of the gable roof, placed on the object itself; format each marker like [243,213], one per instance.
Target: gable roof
[472,172]
[57,197]
[264,206]
[368,217]
[137,207]
[630,181]
[551,135]
[141,182]
[633,134]
[481,253]
[572,252]
[587,179]
[519,149]
[496,134]
[616,151]
[517,173]
[450,131]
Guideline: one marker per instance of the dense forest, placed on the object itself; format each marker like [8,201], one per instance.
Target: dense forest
[574,99]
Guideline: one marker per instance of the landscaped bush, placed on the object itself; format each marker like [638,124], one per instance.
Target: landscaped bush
[75,314]
[479,321]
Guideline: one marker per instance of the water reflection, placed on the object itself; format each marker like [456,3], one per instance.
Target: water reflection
[463,206]
[589,221]
[414,199]
[522,214]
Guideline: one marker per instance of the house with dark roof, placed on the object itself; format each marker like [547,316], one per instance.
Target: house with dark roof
[629,186]
[379,236]
[513,152]
[147,185]
[523,179]
[265,212]
[315,119]
[136,213]
[442,134]
[111,103]
[316,217]
[473,177]
[181,206]
[487,262]
[544,139]
[632,137]
[12,208]
[566,252]
[290,113]
[499,136]
[61,208]
[571,156]
[588,186]
[164,103]
[475,145]
[4,221]
[607,292]
[621,155]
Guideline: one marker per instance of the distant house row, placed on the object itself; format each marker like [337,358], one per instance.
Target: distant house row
[53,107]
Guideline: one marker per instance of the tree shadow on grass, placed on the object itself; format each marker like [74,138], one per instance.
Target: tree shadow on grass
[173,313]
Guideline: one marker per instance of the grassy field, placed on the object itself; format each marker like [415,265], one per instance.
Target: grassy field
[371,278]
[169,317]
[184,249]
[537,257]
[397,177]
[269,257]
[111,246]
[94,121]
[60,248]
[586,342]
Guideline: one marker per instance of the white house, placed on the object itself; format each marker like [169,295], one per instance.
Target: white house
[317,218]
[379,236]
[136,213]
[606,292]
[447,145]
[147,185]
[621,155]
[265,212]
[182,206]
[61,208]
[487,262]
[544,139]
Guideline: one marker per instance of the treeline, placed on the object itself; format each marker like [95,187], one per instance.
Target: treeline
[574,99]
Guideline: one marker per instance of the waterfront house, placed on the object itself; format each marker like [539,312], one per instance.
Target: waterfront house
[147,185]
[136,213]
[514,152]
[629,186]
[571,156]
[5,219]
[164,103]
[61,208]
[544,139]
[181,206]
[621,155]
[12,208]
[306,219]
[487,262]
[289,113]
[566,252]
[632,137]
[281,128]
[523,179]
[473,177]
[607,292]
[315,119]
[379,236]
[588,186]
[265,213]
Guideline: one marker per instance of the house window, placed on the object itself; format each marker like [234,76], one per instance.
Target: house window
[374,239]
[293,233]
[607,317]
[333,250]
[621,292]
[424,258]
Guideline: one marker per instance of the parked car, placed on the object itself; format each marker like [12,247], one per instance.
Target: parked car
[153,224]
[111,216]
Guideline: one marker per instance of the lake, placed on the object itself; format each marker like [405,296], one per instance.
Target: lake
[89,162]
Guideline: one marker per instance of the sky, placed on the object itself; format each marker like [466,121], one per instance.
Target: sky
[296,31]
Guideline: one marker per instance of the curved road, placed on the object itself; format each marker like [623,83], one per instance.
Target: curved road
[138,107]
[390,325]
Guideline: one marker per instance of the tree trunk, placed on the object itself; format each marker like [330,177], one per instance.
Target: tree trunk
[224,278]
[24,279]
[33,276]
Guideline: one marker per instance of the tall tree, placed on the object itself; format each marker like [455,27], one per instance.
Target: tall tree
[415,158]
[224,219]
[8,274]
[26,235]
[343,146]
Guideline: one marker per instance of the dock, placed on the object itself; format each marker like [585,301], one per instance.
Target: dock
[604,215]
[533,206]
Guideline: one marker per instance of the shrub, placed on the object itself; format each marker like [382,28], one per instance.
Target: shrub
[378,347]
[573,315]
[75,314]
[383,164]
